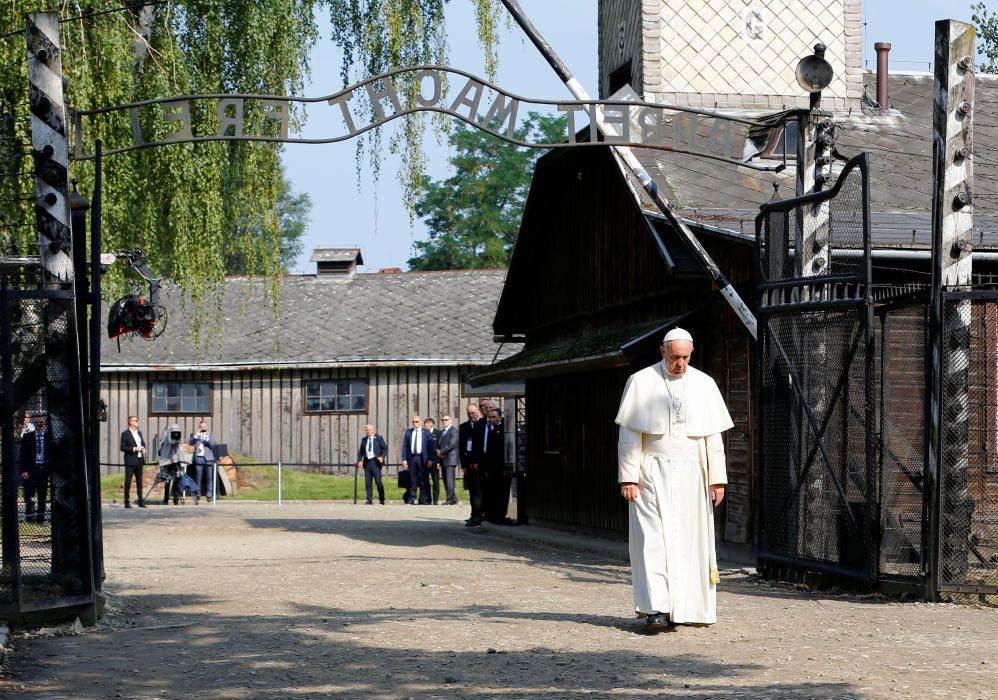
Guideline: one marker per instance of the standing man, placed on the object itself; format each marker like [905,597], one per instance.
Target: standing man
[672,473]
[433,461]
[494,464]
[203,460]
[133,445]
[470,444]
[447,457]
[417,447]
[371,455]
[35,471]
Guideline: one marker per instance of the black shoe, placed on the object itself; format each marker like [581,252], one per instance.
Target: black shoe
[473,523]
[368,503]
[381,502]
[127,504]
[197,500]
[142,504]
[656,622]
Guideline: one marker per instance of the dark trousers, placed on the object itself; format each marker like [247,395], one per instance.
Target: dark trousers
[372,472]
[497,485]
[420,480]
[135,470]
[205,471]
[36,485]
[473,482]
[435,482]
[449,473]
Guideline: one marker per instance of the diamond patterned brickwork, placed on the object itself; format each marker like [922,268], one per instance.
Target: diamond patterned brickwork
[742,53]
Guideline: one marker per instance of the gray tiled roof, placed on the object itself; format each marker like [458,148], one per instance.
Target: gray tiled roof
[900,149]
[413,317]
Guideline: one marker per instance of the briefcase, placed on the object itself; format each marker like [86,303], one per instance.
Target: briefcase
[405,480]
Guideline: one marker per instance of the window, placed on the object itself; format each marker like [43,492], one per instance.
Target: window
[181,397]
[336,395]
[782,140]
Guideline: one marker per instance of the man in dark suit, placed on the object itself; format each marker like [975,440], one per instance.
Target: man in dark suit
[447,457]
[203,460]
[371,455]
[133,446]
[417,448]
[35,470]
[433,462]
[494,466]
[470,444]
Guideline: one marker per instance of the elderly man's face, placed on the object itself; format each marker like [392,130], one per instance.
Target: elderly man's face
[676,354]
[369,429]
[473,412]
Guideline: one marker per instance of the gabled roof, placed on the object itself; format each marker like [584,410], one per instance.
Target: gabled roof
[421,318]
[900,148]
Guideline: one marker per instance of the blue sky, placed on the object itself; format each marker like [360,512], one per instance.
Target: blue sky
[375,219]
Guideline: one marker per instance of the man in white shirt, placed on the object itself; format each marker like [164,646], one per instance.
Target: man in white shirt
[671,471]
[133,446]
[370,456]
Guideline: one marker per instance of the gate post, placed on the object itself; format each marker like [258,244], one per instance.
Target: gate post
[947,465]
[811,241]
[71,560]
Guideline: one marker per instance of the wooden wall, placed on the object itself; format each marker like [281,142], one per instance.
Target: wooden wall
[260,413]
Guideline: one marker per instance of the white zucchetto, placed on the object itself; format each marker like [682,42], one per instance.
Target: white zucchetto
[677,334]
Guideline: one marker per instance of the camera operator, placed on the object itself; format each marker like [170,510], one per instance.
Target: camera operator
[173,462]
[204,459]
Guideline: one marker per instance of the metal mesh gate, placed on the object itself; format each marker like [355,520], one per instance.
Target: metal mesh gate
[901,342]
[967,498]
[817,459]
[45,543]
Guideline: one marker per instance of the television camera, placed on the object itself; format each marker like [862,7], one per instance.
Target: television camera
[135,313]
[173,461]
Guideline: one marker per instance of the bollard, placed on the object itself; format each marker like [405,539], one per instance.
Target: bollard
[279,485]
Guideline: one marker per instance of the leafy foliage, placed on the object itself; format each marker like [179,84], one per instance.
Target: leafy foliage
[254,244]
[986,23]
[377,36]
[473,216]
[180,203]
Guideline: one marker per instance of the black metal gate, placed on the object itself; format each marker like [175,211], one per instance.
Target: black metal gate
[47,562]
[816,411]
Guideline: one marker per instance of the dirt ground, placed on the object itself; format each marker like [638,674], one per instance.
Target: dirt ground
[335,600]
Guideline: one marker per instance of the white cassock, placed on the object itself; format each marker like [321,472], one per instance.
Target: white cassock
[670,445]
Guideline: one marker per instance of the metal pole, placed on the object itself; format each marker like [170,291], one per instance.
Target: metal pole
[97,526]
[280,495]
[631,162]
[214,484]
[356,471]
[952,229]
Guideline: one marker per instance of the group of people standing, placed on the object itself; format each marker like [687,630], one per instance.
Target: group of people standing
[133,447]
[431,455]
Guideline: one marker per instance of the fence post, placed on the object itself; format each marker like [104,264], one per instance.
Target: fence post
[947,464]
[280,495]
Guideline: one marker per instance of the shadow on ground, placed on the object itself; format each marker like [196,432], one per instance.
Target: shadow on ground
[307,653]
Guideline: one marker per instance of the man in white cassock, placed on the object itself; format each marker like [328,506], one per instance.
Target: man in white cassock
[672,473]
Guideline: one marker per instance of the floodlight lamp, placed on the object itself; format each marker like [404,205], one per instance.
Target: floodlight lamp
[814,73]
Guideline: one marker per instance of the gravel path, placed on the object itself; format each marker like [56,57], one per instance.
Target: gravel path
[336,600]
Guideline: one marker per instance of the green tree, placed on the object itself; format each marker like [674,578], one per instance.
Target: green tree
[986,23]
[473,216]
[182,202]
[252,244]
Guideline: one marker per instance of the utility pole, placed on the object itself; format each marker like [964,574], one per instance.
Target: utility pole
[947,465]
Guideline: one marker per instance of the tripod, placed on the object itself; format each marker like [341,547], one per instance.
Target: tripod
[176,479]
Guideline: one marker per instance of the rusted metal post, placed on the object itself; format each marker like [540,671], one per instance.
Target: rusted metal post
[952,227]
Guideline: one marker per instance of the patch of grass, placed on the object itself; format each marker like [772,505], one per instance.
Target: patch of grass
[258,482]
